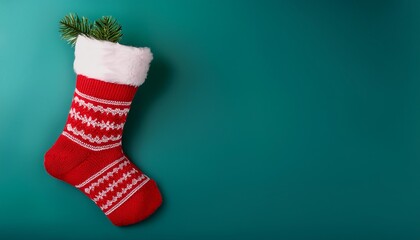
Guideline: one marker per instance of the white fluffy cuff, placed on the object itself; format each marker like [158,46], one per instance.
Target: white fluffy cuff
[111,62]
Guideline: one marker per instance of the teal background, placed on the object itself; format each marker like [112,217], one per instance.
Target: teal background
[259,119]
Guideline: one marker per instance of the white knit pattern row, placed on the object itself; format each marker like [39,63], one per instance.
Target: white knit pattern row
[100,108]
[89,137]
[89,121]
[100,100]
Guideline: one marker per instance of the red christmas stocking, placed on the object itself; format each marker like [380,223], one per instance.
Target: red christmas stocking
[88,153]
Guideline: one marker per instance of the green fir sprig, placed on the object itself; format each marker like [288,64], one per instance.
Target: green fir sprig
[105,28]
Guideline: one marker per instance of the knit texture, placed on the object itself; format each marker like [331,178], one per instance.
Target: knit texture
[89,156]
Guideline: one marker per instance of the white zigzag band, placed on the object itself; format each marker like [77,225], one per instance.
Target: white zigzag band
[135,181]
[106,177]
[94,122]
[114,184]
[99,100]
[123,191]
[88,146]
[100,172]
[89,137]
[96,108]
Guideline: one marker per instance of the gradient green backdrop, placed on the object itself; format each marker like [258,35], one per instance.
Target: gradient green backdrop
[259,119]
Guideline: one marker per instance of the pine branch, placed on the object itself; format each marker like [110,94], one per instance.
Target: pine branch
[71,26]
[107,28]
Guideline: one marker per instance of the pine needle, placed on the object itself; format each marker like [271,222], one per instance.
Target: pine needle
[71,26]
[106,28]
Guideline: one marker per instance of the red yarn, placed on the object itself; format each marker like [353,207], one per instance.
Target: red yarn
[89,156]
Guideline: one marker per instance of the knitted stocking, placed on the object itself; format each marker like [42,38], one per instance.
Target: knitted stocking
[88,153]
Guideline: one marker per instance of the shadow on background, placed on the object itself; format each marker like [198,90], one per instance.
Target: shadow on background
[156,83]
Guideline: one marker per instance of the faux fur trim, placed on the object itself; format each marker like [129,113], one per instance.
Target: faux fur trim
[111,62]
